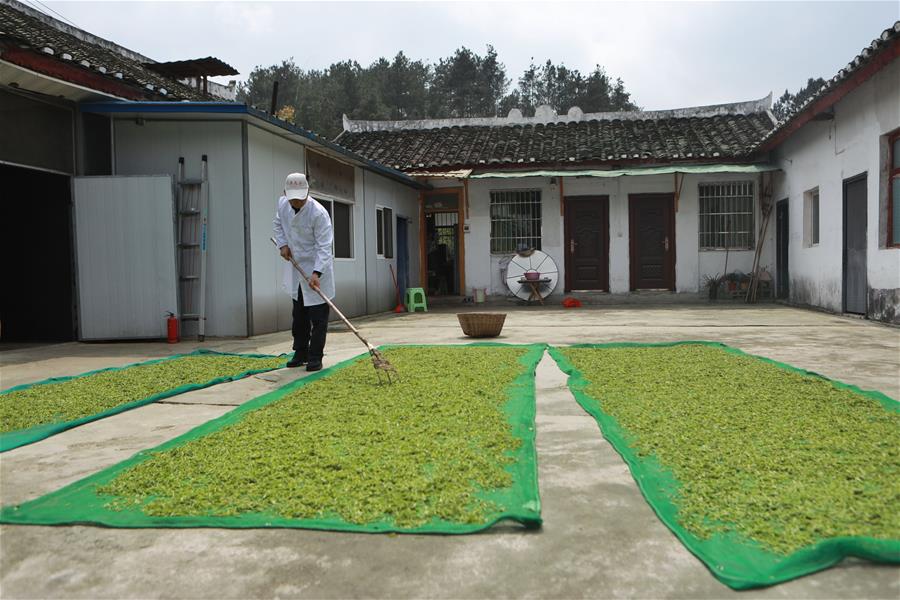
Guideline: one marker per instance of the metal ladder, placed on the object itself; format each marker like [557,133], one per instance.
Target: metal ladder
[192,206]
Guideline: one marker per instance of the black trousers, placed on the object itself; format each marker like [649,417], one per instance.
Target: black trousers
[310,327]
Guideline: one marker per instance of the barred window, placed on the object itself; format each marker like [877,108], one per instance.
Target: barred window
[515,220]
[726,215]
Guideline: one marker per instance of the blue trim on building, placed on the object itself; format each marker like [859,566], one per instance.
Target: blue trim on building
[242,109]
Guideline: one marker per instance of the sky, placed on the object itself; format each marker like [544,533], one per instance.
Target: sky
[669,54]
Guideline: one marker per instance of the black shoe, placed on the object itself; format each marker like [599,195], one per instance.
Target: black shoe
[296,361]
[314,366]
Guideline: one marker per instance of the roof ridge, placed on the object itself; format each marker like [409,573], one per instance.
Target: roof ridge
[546,115]
[81,34]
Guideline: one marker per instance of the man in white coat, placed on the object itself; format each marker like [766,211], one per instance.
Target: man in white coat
[303,230]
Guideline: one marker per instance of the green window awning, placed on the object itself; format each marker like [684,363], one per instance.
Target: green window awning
[690,169]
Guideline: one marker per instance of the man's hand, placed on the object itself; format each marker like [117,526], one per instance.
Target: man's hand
[285,252]
[314,281]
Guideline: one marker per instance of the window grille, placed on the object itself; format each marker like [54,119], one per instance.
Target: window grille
[515,220]
[726,215]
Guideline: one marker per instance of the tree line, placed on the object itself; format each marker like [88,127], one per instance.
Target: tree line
[465,84]
[787,103]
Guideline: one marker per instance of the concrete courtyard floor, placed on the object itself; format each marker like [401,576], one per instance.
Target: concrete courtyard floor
[599,539]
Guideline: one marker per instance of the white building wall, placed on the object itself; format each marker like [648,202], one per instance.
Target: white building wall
[691,264]
[270,159]
[376,190]
[153,149]
[823,154]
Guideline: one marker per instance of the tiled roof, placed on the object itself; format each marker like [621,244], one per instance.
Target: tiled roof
[889,38]
[22,27]
[701,133]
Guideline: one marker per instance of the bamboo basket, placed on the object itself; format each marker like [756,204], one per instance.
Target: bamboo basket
[481,324]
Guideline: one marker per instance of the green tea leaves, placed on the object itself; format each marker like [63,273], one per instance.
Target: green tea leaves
[84,396]
[782,458]
[343,447]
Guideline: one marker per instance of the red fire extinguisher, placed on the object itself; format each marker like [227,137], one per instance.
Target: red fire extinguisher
[172,327]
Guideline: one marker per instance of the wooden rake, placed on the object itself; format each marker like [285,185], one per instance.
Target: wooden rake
[381,364]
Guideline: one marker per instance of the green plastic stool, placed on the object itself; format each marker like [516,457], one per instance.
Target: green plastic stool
[415,298]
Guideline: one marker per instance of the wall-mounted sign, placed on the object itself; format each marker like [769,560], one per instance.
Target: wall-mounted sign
[329,176]
[442,201]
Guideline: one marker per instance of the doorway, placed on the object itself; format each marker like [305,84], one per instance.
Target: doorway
[402,255]
[782,247]
[855,280]
[651,231]
[442,258]
[587,243]
[37,298]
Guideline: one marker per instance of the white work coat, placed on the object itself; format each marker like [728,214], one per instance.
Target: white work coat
[308,233]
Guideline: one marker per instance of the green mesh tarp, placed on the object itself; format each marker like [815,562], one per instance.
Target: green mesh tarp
[736,560]
[79,503]
[21,437]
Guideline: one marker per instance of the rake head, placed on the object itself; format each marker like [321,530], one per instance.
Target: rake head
[383,366]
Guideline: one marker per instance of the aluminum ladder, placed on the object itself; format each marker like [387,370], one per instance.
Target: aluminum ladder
[192,208]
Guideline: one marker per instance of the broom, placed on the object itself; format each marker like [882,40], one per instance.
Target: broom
[399,308]
[380,363]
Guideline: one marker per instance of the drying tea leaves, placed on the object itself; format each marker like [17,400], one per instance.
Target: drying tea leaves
[783,458]
[342,447]
[84,396]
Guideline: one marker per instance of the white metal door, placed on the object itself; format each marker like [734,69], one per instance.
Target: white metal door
[125,252]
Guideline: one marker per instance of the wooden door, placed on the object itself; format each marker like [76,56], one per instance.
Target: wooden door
[587,242]
[782,249]
[651,225]
[855,215]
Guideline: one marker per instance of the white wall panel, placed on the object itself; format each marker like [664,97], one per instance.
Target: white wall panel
[691,264]
[822,155]
[124,235]
[271,159]
[381,191]
[153,148]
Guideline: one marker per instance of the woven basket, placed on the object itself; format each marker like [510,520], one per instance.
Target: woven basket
[481,324]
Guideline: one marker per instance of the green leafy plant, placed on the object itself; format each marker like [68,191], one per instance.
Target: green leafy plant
[343,448]
[84,396]
[782,458]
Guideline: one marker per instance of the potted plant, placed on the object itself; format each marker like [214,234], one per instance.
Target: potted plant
[712,285]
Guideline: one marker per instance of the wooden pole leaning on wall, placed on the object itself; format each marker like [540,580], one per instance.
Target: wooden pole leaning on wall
[679,183]
[766,185]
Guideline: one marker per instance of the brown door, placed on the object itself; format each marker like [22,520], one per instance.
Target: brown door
[587,242]
[651,226]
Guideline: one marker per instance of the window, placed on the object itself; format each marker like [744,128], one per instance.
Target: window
[515,220]
[811,217]
[726,215]
[379,232]
[342,224]
[384,232]
[893,237]
[388,233]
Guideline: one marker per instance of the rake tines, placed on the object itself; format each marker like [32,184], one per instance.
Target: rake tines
[382,365]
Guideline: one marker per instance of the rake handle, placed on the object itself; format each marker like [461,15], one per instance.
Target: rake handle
[328,300]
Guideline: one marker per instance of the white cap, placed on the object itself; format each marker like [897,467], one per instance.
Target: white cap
[296,187]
